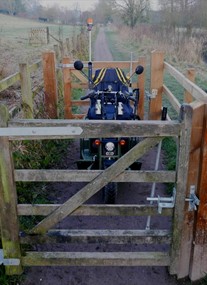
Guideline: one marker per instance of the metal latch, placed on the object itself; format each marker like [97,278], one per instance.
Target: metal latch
[8,261]
[164,202]
[193,199]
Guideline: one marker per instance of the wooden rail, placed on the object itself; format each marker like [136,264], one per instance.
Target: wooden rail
[51,75]
[192,88]
[96,259]
[24,77]
[158,69]
[94,210]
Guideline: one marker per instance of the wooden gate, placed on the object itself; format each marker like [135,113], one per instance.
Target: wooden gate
[151,132]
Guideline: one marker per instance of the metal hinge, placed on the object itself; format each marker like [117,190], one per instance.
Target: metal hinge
[193,199]
[164,202]
[8,261]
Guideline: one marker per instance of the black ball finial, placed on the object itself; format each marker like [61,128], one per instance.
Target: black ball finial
[78,65]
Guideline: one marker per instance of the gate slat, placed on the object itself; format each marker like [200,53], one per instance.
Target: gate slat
[96,259]
[101,236]
[95,128]
[94,210]
[87,175]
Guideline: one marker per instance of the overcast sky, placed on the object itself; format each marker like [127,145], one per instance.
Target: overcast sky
[82,4]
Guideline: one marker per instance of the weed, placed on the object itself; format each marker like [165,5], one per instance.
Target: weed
[36,155]
[169,147]
[204,281]
[9,280]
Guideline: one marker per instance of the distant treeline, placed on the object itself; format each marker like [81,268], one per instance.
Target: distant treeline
[6,12]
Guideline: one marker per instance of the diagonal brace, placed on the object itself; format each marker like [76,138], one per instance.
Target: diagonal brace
[95,185]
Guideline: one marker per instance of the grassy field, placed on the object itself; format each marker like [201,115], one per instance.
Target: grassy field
[14,41]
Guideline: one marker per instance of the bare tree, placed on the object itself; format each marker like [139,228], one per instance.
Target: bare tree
[200,12]
[132,11]
[104,11]
[179,13]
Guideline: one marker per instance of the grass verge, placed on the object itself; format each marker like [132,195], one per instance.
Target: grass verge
[169,145]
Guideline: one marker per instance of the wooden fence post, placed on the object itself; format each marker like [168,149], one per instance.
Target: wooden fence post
[8,202]
[26,88]
[59,75]
[50,84]
[182,176]
[188,98]
[192,180]
[57,52]
[141,86]
[48,35]
[157,72]
[199,255]
[67,90]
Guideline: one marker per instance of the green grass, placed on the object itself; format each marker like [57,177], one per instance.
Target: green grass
[15,28]
[203,281]
[115,48]
[14,42]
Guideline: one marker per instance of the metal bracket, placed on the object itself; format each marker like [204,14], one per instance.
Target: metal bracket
[152,95]
[8,261]
[68,65]
[164,202]
[193,199]
[41,131]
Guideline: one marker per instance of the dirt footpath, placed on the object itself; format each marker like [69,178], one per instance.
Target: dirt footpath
[101,50]
[128,193]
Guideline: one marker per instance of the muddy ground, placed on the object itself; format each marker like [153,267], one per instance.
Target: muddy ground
[129,193]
